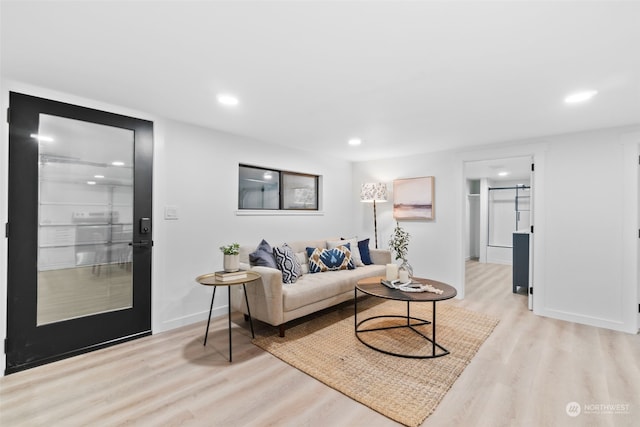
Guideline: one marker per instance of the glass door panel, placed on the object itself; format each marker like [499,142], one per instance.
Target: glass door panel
[85,200]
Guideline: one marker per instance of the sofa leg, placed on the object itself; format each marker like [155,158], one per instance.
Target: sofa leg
[246,317]
[281,330]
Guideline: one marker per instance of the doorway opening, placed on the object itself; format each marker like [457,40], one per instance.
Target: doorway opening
[498,210]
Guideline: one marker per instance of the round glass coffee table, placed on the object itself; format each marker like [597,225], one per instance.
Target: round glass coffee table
[372,286]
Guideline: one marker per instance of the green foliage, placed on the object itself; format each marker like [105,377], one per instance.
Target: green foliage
[399,242]
[232,249]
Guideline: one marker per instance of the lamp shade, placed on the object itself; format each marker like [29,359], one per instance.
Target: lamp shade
[373,191]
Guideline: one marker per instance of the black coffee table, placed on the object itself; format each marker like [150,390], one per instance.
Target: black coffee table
[372,286]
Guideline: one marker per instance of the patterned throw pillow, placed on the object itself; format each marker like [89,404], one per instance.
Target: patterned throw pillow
[287,263]
[321,260]
[353,247]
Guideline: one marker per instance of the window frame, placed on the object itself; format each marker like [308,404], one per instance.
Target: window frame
[285,181]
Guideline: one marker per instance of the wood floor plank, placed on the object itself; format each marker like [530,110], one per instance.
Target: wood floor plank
[525,374]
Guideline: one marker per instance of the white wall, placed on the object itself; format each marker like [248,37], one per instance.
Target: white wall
[579,274]
[199,176]
[435,247]
[585,233]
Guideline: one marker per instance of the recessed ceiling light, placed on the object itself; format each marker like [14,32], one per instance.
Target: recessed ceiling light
[503,173]
[98,176]
[267,175]
[91,182]
[117,163]
[580,96]
[226,99]
[355,141]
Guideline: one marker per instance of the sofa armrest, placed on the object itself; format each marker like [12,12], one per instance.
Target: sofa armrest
[271,279]
[264,295]
[380,256]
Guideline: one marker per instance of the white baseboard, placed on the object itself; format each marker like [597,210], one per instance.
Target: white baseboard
[200,316]
[615,325]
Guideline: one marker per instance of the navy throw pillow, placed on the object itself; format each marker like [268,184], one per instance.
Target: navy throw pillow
[363,246]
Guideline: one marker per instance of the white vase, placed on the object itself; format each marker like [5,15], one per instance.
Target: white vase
[231,263]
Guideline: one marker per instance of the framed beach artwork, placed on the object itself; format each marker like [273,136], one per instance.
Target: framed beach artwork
[413,198]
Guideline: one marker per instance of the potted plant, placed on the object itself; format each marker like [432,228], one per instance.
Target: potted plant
[399,244]
[231,257]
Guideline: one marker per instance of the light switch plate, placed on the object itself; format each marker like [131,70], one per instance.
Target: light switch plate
[170,212]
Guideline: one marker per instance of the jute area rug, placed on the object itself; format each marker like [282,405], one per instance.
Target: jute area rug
[405,390]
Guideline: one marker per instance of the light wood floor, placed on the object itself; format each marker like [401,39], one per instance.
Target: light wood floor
[525,374]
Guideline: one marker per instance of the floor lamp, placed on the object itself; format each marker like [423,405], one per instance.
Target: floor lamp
[373,192]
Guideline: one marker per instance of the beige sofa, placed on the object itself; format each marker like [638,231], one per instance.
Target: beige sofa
[277,303]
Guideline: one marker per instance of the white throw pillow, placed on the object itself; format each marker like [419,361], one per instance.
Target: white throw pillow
[303,259]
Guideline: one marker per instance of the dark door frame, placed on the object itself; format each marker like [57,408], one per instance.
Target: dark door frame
[28,345]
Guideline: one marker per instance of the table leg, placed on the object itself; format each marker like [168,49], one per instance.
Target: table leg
[229,302]
[433,328]
[355,309]
[246,299]
[206,334]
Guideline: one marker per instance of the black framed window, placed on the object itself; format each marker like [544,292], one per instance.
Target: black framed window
[272,189]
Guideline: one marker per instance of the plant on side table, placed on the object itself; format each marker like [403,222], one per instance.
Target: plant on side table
[231,257]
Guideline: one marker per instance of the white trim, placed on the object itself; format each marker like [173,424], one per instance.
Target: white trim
[536,151]
[270,212]
[585,320]
[200,316]
[630,226]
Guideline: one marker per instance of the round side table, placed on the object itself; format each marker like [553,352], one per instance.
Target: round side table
[210,280]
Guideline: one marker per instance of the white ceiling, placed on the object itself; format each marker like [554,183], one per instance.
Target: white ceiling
[406,77]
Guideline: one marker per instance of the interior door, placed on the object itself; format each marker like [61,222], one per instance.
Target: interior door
[79,248]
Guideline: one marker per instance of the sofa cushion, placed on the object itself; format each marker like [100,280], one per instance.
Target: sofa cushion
[311,288]
[321,260]
[287,263]
[263,256]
